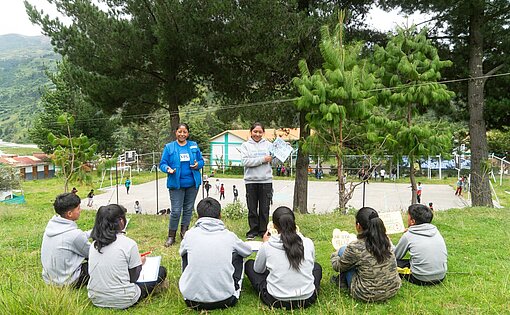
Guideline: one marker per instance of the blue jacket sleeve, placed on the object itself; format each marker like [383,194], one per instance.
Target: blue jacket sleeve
[200,159]
[165,159]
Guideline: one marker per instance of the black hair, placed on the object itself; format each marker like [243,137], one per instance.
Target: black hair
[107,225]
[420,213]
[66,202]
[374,233]
[209,207]
[284,222]
[255,125]
[179,125]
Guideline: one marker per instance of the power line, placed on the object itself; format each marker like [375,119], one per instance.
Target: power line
[206,110]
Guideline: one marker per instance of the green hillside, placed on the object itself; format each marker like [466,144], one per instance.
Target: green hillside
[23,62]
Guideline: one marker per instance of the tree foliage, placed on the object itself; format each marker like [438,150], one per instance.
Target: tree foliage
[409,69]
[72,154]
[334,95]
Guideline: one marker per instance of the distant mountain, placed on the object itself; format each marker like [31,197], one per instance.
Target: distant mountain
[23,63]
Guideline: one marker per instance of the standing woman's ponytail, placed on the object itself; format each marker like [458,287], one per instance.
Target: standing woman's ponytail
[284,221]
[374,233]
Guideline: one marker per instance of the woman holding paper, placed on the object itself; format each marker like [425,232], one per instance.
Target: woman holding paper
[258,178]
[115,264]
[181,161]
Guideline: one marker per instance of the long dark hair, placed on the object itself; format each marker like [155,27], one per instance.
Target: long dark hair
[284,221]
[374,233]
[255,125]
[108,224]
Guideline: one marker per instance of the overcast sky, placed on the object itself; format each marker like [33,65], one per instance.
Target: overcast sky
[14,19]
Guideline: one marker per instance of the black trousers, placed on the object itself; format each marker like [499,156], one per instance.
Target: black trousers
[237,262]
[148,287]
[405,263]
[259,283]
[84,277]
[258,198]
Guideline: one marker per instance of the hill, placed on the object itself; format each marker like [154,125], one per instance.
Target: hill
[23,63]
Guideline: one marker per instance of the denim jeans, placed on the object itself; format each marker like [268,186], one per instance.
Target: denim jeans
[349,273]
[182,201]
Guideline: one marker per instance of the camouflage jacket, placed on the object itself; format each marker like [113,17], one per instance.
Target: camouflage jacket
[372,281]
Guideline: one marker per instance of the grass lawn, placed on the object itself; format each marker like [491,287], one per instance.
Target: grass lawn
[478,281]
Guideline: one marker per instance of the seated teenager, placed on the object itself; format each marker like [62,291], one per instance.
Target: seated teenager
[426,246]
[115,263]
[65,248]
[212,261]
[284,273]
[367,265]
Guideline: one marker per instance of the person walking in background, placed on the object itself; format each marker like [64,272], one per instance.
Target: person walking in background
[90,198]
[181,161]
[258,178]
[458,192]
[419,190]
[222,191]
[383,173]
[207,186]
[128,185]
[236,193]
[217,186]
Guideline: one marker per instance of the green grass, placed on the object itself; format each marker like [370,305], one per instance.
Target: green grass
[19,151]
[477,239]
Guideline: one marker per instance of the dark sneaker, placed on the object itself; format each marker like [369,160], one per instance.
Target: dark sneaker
[250,237]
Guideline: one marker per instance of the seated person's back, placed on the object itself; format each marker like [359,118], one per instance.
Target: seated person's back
[425,245]
[64,246]
[212,260]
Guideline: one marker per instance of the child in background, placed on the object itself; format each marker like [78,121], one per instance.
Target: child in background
[217,186]
[284,273]
[426,247]
[419,190]
[115,263]
[212,261]
[222,191]
[236,193]
[90,198]
[65,248]
[431,206]
[138,207]
[367,265]
[458,192]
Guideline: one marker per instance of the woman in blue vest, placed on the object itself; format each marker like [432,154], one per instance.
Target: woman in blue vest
[182,161]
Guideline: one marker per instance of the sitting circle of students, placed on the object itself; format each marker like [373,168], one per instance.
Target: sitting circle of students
[284,272]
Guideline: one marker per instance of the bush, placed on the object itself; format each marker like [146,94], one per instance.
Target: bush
[234,211]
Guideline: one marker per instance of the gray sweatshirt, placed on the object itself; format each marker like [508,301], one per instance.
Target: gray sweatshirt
[283,282]
[64,247]
[208,275]
[427,249]
[256,170]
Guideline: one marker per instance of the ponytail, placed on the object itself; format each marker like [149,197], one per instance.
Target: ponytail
[374,233]
[284,221]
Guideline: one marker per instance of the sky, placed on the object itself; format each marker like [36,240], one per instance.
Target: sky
[14,19]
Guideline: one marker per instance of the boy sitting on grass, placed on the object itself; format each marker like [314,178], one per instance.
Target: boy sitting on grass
[212,261]
[65,247]
[426,246]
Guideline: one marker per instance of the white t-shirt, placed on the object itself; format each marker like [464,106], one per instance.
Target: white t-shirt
[109,284]
[383,172]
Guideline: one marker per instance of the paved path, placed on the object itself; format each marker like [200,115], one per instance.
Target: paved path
[322,196]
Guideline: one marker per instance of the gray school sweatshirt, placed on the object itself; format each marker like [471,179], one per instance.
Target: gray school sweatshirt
[208,275]
[256,170]
[283,282]
[64,247]
[427,249]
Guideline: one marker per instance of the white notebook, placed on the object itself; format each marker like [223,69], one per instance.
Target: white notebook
[150,269]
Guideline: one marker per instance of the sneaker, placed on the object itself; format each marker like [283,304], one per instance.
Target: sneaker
[250,237]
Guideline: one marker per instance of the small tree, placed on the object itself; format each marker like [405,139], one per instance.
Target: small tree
[409,68]
[9,178]
[72,154]
[335,95]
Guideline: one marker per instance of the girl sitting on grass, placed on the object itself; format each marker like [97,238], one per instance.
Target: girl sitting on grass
[284,273]
[115,263]
[367,265]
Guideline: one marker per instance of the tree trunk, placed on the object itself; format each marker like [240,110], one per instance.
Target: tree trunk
[301,182]
[412,179]
[342,202]
[173,110]
[480,188]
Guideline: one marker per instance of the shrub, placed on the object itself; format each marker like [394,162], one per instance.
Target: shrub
[236,210]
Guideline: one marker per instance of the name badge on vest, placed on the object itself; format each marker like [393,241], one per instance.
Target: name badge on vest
[184,157]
